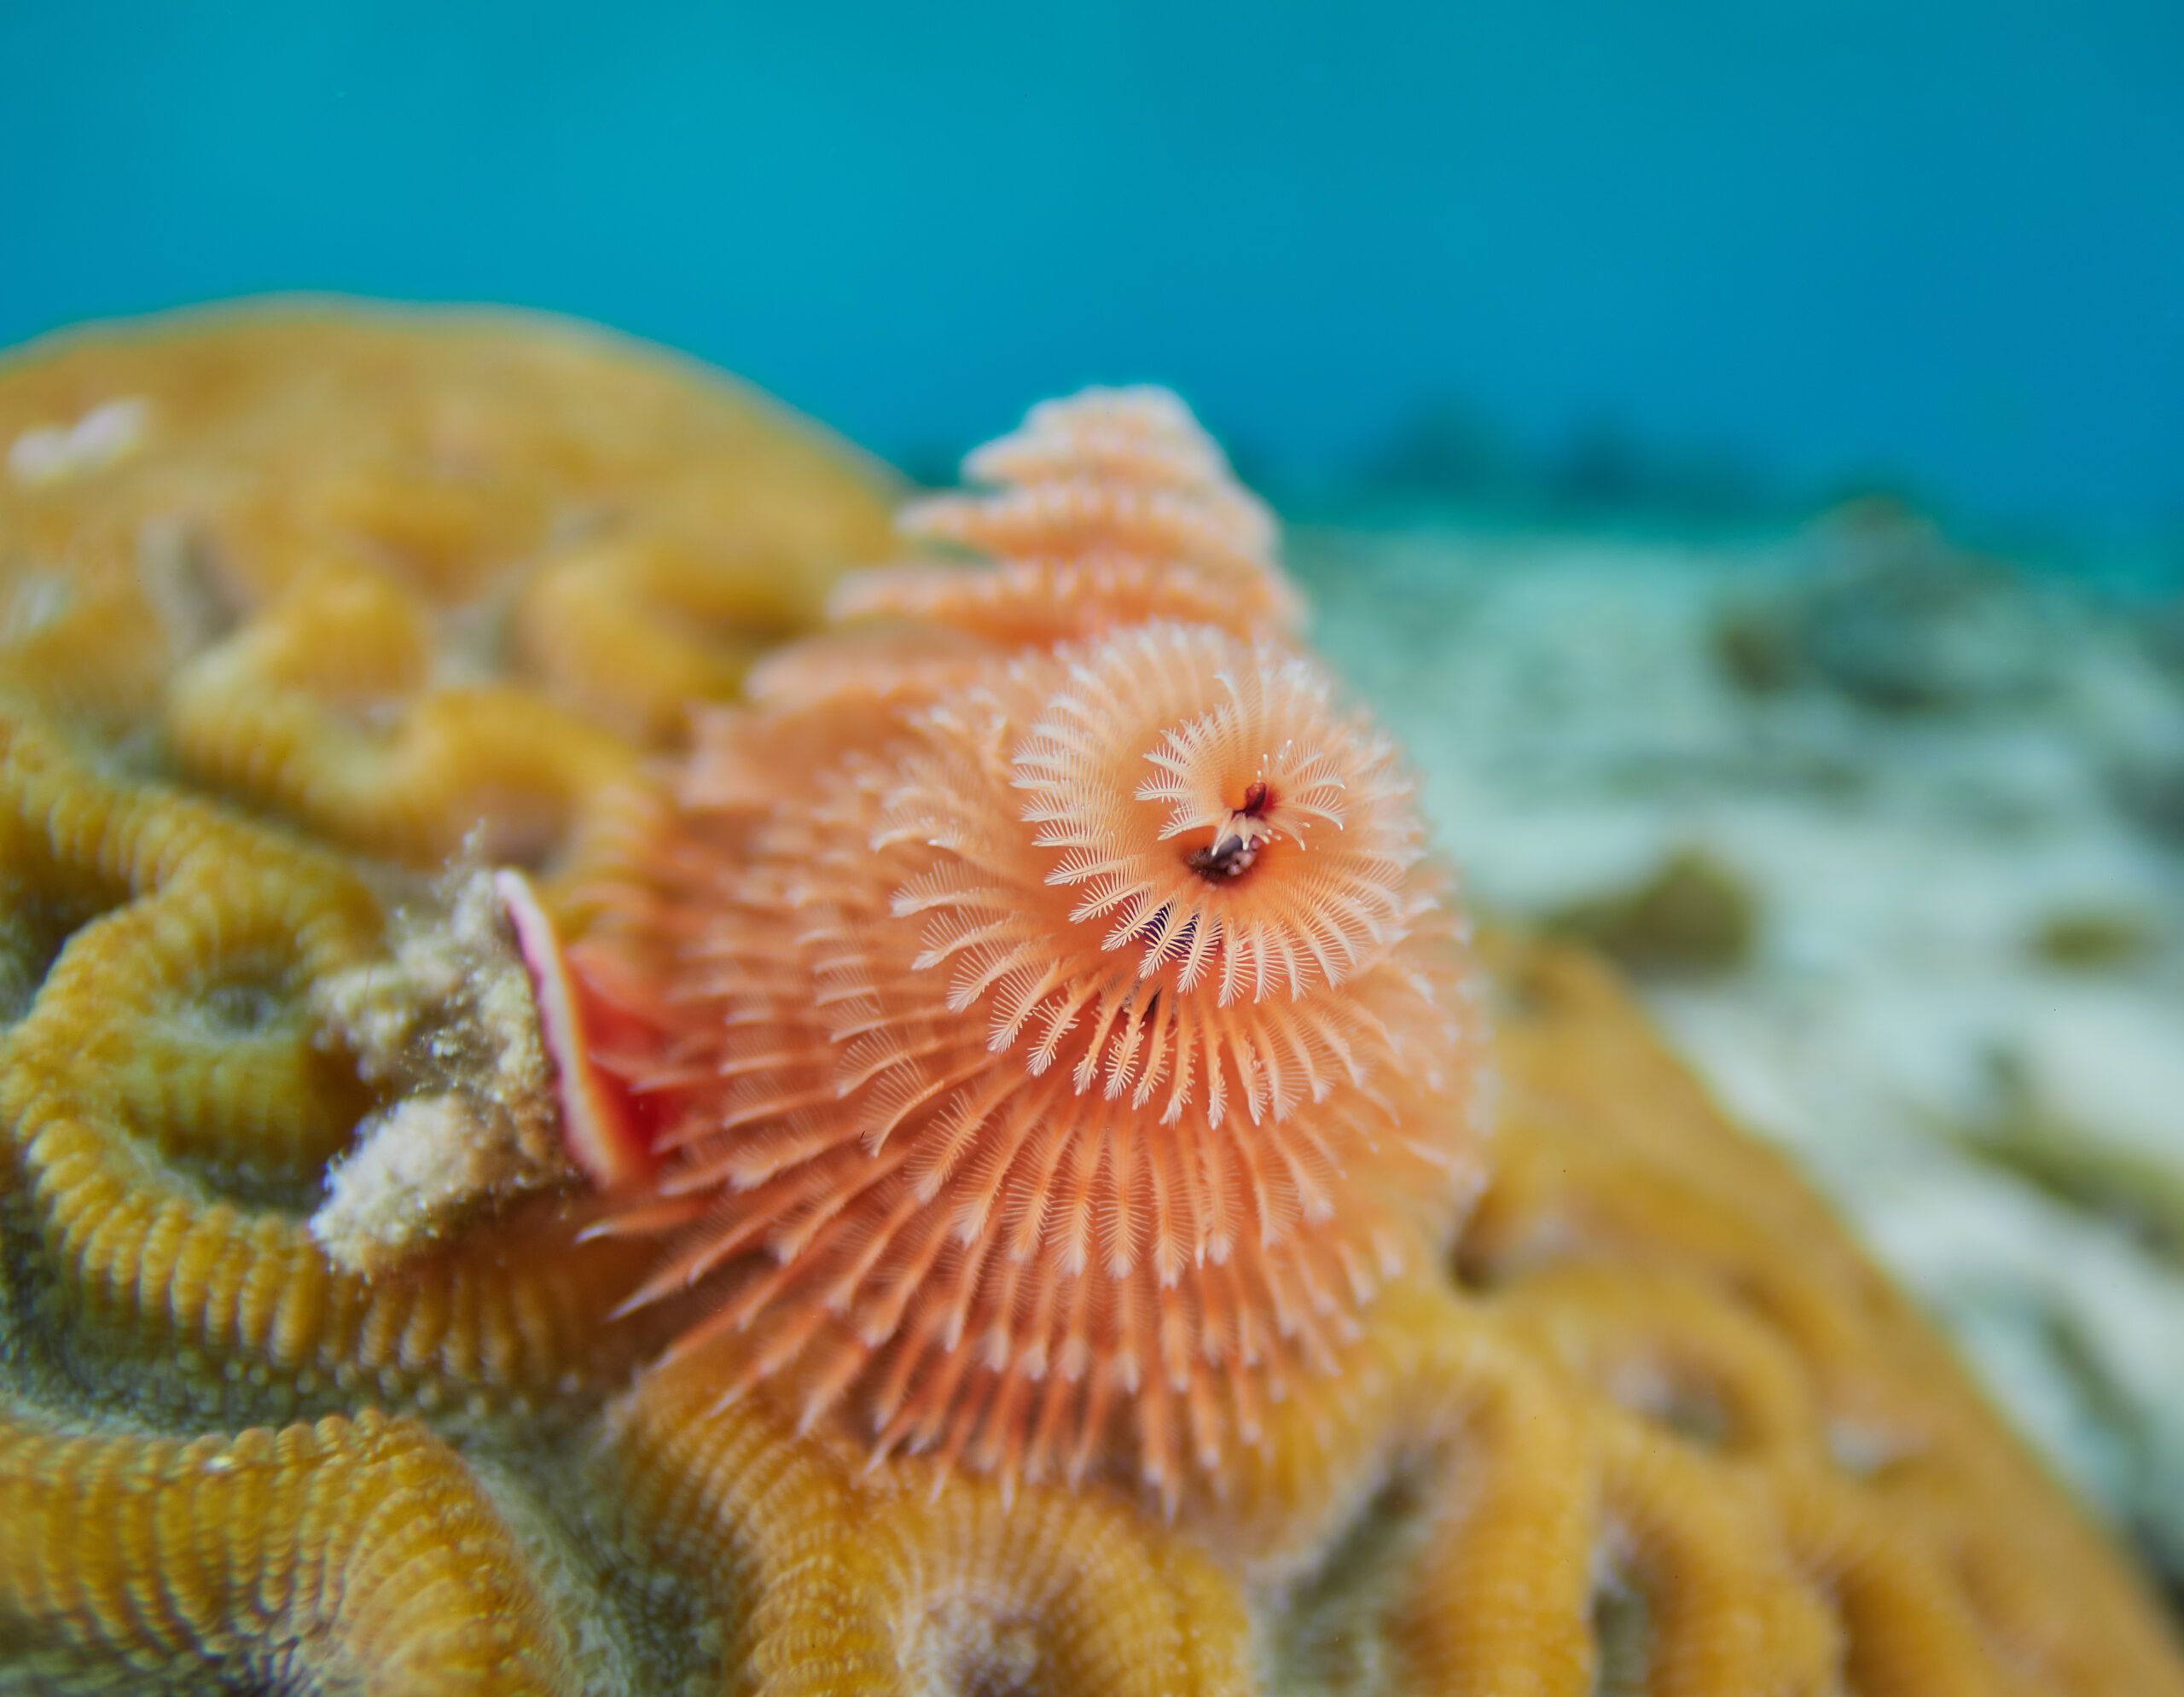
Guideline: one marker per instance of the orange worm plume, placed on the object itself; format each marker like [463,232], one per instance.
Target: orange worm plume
[1055,1027]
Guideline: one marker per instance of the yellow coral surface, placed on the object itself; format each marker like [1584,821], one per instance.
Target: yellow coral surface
[1657,1426]
[401,577]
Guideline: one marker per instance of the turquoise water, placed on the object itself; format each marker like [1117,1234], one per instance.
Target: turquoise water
[1770,247]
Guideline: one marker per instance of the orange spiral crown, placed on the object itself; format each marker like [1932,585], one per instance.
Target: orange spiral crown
[1056,1029]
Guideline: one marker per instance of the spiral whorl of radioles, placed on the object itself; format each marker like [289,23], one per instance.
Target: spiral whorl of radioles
[1058,1041]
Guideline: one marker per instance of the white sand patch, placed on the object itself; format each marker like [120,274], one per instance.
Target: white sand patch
[1569,706]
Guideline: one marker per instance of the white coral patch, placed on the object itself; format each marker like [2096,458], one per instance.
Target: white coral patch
[106,435]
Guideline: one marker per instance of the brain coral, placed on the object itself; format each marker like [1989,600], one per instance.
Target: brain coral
[1618,1409]
[397,579]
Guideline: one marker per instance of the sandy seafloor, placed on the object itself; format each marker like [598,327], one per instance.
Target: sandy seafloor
[1951,793]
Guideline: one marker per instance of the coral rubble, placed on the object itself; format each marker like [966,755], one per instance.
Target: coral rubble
[1642,1419]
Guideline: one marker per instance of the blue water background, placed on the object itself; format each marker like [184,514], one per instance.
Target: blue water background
[1797,241]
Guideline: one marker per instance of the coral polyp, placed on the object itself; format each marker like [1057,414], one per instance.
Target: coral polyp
[1053,1075]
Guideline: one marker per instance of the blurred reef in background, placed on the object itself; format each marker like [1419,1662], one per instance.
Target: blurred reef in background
[1889,831]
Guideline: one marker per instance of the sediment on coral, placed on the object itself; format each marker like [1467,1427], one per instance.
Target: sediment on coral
[1639,1418]
[446,1014]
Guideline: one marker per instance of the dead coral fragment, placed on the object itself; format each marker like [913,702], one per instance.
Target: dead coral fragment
[1054,1066]
[451,1018]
